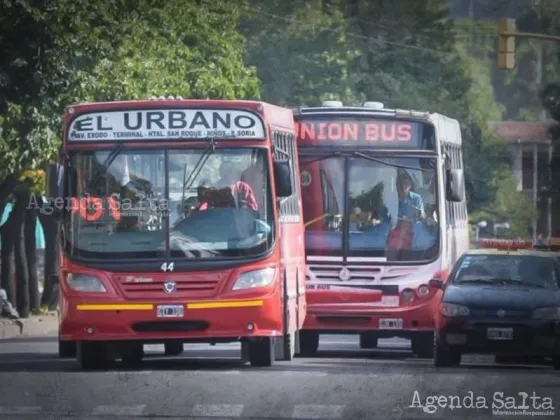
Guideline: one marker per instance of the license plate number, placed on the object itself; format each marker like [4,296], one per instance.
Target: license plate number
[391,323]
[170,311]
[500,333]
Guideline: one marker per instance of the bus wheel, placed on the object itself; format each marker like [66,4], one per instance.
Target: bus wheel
[261,352]
[368,341]
[308,343]
[132,353]
[173,348]
[423,345]
[91,354]
[66,349]
[286,347]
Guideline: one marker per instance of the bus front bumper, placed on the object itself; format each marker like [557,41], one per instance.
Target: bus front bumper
[202,321]
[401,321]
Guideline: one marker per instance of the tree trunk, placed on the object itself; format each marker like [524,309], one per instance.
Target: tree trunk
[7,240]
[50,229]
[7,258]
[22,274]
[30,240]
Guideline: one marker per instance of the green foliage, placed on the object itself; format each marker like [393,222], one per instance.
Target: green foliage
[65,52]
[301,51]
[511,206]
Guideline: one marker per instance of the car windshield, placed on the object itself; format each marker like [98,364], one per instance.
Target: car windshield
[183,203]
[526,270]
[391,206]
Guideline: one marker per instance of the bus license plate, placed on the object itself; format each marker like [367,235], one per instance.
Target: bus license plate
[170,311]
[391,323]
[500,333]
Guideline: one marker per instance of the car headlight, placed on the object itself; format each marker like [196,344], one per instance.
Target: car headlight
[451,310]
[256,278]
[551,314]
[84,283]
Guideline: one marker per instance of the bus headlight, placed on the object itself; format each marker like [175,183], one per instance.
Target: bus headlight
[84,283]
[452,310]
[423,290]
[408,295]
[551,314]
[256,278]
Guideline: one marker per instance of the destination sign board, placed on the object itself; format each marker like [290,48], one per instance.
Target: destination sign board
[167,124]
[363,132]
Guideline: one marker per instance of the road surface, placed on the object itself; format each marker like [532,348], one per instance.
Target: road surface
[207,382]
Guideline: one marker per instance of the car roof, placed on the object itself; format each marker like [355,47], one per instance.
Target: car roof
[514,252]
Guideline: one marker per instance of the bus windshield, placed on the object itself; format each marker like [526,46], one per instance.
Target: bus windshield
[179,203]
[390,210]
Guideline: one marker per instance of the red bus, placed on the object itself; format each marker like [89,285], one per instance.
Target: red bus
[180,222]
[385,211]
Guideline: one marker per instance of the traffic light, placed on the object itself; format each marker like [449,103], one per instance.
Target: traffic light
[506,44]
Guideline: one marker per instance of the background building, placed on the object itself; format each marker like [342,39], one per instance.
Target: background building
[531,146]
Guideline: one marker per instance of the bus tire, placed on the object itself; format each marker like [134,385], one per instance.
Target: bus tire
[423,345]
[285,349]
[368,340]
[308,343]
[261,352]
[132,353]
[173,348]
[66,349]
[91,355]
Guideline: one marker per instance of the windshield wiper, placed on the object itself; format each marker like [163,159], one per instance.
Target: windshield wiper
[394,165]
[115,151]
[319,158]
[475,281]
[519,282]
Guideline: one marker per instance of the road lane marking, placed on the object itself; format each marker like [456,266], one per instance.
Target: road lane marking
[119,410]
[22,410]
[316,411]
[217,410]
[303,372]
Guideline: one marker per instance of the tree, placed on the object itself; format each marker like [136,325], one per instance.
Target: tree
[301,50]
[67,52]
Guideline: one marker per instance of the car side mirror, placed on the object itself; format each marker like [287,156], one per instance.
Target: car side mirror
[436,284]
[283,179]
[455,188]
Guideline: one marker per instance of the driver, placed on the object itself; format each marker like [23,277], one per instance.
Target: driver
[242,192]
[411,204]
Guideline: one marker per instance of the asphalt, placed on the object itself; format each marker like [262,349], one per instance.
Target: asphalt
[208,382]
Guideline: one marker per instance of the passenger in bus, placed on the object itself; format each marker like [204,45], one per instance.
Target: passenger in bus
[411,204]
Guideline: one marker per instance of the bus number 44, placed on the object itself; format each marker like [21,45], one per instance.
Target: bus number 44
[167,266]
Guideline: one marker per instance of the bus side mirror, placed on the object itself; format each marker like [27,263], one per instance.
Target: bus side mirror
[54,181]
[455,188]
[54,186]
[283,179]
[436,284]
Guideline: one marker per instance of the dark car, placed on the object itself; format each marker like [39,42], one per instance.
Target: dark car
[502,303]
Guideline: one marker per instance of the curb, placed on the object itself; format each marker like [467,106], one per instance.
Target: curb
[32,327]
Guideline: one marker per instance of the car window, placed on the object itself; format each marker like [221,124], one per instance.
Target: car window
[508,269]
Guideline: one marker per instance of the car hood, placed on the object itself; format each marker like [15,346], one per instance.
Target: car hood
[504,296]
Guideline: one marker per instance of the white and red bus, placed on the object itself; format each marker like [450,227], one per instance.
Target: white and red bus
[384,208]
[183,225]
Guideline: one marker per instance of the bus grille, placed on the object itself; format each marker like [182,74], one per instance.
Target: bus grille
[191,286]
[330,271]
